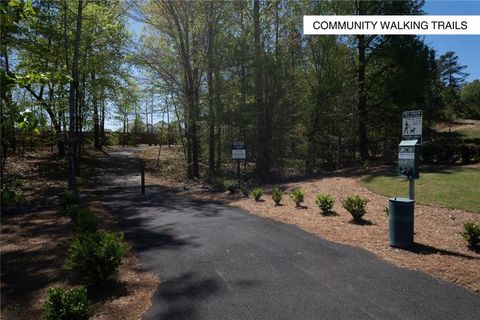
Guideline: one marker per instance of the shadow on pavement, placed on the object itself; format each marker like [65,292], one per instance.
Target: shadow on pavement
[179,292]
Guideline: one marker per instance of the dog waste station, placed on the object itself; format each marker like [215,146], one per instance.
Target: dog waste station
[401,210]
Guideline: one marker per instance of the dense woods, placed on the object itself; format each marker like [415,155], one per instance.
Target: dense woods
[202,74]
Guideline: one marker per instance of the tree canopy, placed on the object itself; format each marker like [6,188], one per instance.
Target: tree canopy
[214,72]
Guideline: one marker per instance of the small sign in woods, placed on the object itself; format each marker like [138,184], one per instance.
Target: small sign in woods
[412,125]
[238,150]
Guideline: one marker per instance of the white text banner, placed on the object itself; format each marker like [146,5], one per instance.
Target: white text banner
[399,25]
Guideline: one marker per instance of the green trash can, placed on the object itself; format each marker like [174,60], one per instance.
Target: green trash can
[400,222]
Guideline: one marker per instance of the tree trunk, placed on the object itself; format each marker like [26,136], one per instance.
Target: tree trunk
[260,163]
[362,94]
[211,114]
[362,100]
[72,97]
[96,122]
[102,124]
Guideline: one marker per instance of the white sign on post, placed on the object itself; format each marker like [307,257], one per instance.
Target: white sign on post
[238,154]
[412,125]
[238,150]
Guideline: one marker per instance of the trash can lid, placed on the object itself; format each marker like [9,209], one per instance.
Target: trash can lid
[396,199]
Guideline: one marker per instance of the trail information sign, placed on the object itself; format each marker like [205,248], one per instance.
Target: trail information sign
[238,150]
[412,125]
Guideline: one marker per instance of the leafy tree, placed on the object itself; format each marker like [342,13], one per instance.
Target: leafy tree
[470,97]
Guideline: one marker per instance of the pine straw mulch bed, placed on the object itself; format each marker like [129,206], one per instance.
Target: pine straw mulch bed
[33,245]
[439,249]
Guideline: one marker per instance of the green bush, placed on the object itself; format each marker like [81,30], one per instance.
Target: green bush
[231,186]
[244,190]
[73,210]
[86,220]
[448,152]
[297,195]
[257,193]
[71,304]
[96,255]
[325,202]
[8,198]
[112,138]
[471,234]
[68,200]
[217,184]
[277,195]
[428,152]
[467,152]
[356,206]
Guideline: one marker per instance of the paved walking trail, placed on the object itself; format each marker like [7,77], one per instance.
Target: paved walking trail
[219,262]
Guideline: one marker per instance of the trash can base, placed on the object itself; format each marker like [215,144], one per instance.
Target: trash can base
[401,245]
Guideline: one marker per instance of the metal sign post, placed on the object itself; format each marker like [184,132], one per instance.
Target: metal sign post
[238,169]
[411,188]
[142,178]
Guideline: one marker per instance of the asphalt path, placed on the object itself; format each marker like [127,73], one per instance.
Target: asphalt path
[220,262]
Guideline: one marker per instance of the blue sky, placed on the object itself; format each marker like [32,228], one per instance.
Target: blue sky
[466,47]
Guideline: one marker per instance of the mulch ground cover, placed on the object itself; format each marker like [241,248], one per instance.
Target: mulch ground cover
[34,240]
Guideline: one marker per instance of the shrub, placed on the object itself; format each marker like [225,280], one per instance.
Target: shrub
[72,211]
[217,184]
[446,153]
[112,138]
[256,193]
[467,152]
[428,152]
[277,194]
[68,200]
[356,206]
[471,234]
[244,190]
[297,195]
[86,220]
[71,304]
[8,198]
[96,255]
[325,202]
[231,186]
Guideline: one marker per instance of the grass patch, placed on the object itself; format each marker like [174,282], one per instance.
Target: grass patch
[470,134]
[450,187]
